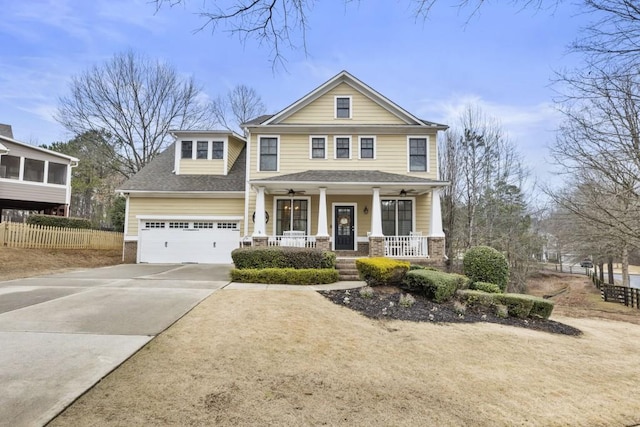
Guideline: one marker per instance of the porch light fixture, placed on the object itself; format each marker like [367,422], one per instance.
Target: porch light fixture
[366,210]
[403,193]
[291,193]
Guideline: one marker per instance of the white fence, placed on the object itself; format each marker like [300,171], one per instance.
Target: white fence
[405,247]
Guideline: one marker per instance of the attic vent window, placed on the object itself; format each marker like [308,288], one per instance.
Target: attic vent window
[343,107]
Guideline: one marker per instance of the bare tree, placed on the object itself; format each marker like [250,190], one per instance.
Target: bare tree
[134,102]
[598,149]
[239,105]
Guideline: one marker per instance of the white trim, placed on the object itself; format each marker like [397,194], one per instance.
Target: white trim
[247,186]
[190,217]
[21,172]
[126,213]
[335,147]
[259,137]
[185,194]
[335,107]
[44,150]
[275,211]
[360,147]
[355,224]
[130,238]
[428,160]
[326,147]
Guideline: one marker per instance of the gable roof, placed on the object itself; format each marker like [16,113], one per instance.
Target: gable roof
[157,176]
[33,147]
[347,78]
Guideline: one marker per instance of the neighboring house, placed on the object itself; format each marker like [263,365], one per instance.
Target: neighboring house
[342,169]
[33,178]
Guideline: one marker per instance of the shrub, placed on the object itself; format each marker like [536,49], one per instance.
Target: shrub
[366,292]
[282,257]
[476,299]
[421,267]
[518,305]
[286,276]
[491,288]
[58,221]
[406,300]
[381,271]
[542,308]
[485,264]
[502,311]
[435,285]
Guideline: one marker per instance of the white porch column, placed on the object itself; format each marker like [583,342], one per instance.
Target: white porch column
[435,227]
[376,214]
[322,214]
[259,225]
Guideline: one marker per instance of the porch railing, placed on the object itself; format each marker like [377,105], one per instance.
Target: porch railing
[405,247]
[295,241]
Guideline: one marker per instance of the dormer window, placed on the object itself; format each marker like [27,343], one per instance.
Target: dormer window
[187,149]
[217,150]
[202,150]
[343,107]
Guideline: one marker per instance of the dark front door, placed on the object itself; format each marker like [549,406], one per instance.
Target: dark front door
[344,228]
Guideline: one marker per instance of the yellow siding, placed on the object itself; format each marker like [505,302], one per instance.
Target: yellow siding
[171,206]
[423,214]
[235,147]
[391,156]
[201,167]
[363,110]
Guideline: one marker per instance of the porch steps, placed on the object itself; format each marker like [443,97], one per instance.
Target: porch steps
[347,268]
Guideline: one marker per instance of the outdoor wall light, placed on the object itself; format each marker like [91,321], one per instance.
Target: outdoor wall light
[366,210]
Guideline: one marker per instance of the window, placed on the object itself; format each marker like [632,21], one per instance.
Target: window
[154,225]
[343,107]
[187,148]
[178,225]
[291,214]
[203,225]
[217,150]
[318,147]
[418,154]
[343,148]
[9,167]
[57,173]
[367,147]
[397,217]
[202,149]
[227,225]
[268,154]
[33,170]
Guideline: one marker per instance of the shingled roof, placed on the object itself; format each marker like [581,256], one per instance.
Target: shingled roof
[158,176]
[348,176]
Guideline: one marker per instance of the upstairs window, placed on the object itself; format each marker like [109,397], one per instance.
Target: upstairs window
[343,107]
[367,147]
[9,167]
[57,173]
[318,147]
[418,154]
[343,147]
[217,150]
[187,149]
[268,154]
[202,149]
[33,170]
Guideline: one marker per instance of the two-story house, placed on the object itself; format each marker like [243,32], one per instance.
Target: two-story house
[343,168]
[33,178]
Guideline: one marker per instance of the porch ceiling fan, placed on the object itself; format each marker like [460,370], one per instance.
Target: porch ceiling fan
[291,192]
[404,193]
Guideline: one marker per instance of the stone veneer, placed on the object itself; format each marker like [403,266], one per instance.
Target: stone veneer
[130,252]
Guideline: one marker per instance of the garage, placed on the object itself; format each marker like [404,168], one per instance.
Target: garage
[180,241]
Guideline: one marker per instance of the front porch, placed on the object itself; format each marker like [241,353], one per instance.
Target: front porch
[354,219]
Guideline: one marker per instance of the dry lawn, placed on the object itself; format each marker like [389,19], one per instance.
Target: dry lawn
[16,263]
[294,358]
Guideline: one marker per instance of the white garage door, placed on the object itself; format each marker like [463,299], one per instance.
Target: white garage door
[204,242]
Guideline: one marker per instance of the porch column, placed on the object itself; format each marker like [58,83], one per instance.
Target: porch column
[376,214]
[435,225]
[259,225]
[322,214]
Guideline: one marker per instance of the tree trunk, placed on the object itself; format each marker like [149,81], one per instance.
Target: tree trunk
[625,264]
[610,270]
[601,267]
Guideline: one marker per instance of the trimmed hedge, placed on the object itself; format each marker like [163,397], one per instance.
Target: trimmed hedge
[285,276]
[435,285]
[485,264]
[381,271]
[421,267]
[282,257]
[491,288]
[58,221]
[518,305]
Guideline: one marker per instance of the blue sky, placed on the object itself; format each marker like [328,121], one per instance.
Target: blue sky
[501,58]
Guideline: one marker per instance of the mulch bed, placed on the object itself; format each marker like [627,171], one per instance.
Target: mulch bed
[385,305]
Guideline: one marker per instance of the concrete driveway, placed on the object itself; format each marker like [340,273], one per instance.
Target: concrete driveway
[62,333]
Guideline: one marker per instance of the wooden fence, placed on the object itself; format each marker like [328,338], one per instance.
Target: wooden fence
[16,235]
[613,293]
